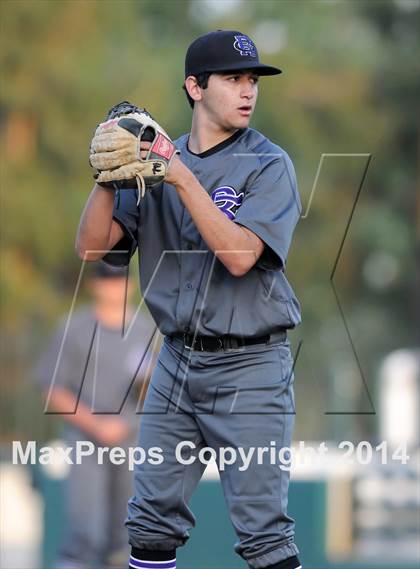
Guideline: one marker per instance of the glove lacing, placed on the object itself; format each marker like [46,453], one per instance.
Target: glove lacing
[141,186]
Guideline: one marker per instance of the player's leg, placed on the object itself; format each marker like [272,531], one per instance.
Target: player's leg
[85,515]
[254,408]
[158,514]
[120,490]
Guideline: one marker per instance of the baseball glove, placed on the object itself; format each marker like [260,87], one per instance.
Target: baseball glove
[115,149]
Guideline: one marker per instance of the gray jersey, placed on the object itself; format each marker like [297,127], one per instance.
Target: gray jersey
[98,365]
[184,285]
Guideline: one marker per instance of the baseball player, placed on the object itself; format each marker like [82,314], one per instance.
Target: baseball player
[212,216]
[96,494]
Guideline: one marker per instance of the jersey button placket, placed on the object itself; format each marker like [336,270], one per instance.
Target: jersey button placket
[183,275]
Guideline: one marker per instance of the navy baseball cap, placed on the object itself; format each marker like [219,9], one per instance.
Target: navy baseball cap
[224,50]
[101,270]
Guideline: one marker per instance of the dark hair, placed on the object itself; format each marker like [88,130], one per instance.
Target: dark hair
[202,81]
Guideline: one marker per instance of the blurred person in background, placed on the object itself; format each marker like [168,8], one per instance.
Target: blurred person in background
[95,369]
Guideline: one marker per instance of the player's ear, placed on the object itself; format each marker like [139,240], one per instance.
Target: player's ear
[193,89]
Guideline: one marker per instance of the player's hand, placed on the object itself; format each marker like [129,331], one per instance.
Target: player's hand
[177,171]
[144,147]
[111,430]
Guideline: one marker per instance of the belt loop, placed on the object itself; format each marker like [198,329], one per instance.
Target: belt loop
[185,340]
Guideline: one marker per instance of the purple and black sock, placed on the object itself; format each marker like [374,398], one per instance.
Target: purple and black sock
[151,559]
[290,563]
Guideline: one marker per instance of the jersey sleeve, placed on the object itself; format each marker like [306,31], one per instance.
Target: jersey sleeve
[126,214]
[271,208]
[54,366]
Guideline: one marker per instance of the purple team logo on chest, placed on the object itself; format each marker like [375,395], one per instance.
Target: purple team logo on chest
[227,200]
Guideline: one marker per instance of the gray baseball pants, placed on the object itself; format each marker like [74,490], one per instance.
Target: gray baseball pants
[95,507]
[233,398]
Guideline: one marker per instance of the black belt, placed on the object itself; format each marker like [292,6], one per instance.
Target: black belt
[215,344]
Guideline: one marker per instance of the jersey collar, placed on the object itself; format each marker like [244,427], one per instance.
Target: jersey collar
[218,147]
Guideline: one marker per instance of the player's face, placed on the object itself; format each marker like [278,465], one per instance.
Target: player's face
[229,100]
[111,291]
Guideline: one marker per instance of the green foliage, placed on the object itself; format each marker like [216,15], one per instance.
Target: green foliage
[350,85]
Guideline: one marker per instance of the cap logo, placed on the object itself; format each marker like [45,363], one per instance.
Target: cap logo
[245,46]
[227,200]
